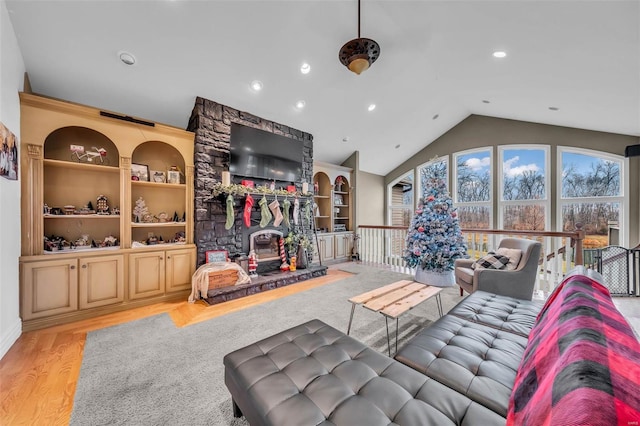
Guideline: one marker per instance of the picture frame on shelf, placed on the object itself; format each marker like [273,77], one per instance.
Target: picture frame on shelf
[158,176]
[337,199]
[216,256]
[173,176]
[139,172]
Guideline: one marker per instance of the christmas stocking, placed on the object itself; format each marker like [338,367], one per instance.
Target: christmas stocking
[277,214]
[264,212]
[229,223]
[286,205]
[296,210]
[248,204]
[307,211]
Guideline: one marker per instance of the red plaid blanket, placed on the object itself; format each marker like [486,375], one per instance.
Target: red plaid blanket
[581,365]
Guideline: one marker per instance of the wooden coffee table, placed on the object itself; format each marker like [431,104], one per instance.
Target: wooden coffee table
[395,299]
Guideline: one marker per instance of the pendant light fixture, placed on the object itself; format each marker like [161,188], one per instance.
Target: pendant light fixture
[359,53]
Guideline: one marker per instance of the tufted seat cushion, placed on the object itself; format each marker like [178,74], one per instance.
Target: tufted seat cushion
[501,312]
[313,374]
[479,361]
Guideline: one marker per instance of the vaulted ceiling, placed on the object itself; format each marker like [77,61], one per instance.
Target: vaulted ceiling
[568,63]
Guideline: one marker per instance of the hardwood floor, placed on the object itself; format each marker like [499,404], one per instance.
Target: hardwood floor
[38,375]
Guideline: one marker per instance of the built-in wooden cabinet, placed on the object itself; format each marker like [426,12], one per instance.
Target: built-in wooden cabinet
[333,211]
[101,281]
[49,287]
[82,172]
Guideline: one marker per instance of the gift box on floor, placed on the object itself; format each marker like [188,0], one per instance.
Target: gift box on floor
[223,278]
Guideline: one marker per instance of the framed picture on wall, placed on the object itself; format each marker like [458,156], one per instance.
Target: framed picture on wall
[216,256]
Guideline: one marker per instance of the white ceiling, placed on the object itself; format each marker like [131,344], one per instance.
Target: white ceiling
[582,57]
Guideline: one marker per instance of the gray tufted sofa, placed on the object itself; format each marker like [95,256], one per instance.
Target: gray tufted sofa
[458,371]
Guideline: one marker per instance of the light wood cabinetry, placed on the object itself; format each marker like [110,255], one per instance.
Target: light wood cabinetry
[78,189]
[343,245]
[101,281]
[158,272]
[49,287]
[334,213]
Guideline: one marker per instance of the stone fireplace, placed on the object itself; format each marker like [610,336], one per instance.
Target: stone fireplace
[211,123]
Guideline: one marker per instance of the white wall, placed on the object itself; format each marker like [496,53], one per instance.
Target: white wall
[11,82]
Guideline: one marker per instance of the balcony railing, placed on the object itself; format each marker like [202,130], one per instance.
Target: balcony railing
[561,251]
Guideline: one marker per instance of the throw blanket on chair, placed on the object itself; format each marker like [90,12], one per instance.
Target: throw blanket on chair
[581,365]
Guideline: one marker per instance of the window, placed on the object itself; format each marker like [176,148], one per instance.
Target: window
[523,204]
[472,176]
[592,193]
[401,204]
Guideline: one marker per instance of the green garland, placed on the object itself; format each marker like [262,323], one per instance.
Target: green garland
[237,189]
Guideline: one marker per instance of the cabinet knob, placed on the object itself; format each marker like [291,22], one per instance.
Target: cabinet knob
[168,257]
[73,267]
[84,266]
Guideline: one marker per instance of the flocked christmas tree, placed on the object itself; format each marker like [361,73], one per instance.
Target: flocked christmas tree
[140,210]
[434,240]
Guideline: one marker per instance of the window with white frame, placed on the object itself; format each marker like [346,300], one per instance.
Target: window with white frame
[400,200]
[472,189]
[438,166]
[591,192]
[523,202]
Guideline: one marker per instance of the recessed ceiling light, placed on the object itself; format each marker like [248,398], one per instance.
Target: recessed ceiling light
[127,58]
[345,139]
[371,107]
[554,108]
[484,101]
[499,54]
[256,85]
[435,117]
[300,104]
[305,68]
[397,146]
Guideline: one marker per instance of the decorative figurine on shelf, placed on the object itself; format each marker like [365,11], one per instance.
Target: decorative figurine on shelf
[339,182]
[102,207]
[115,211]
[140,210]
[47,209]
[176,218]
[253,264]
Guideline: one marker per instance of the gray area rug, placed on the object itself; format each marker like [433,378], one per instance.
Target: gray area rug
[148,372]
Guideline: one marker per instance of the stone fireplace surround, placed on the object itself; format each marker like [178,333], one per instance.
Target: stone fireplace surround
[211,123]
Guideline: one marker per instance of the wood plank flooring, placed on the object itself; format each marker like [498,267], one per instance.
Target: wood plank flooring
[38,375]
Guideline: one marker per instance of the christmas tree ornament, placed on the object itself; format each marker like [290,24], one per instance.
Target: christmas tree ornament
[434,240]
[265,214]
[248,205]
[274,206]
[229,223]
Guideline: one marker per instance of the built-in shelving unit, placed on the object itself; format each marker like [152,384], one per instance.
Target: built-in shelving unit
[79,234]
[334,214]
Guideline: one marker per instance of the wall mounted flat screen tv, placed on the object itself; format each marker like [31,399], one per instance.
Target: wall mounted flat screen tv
[260,154]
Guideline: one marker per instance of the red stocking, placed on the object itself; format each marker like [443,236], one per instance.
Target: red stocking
[248,205]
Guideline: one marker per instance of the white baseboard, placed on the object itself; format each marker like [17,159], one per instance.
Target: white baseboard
[9,338]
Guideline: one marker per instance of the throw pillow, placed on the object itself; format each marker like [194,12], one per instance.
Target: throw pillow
[491,261]
[514,256]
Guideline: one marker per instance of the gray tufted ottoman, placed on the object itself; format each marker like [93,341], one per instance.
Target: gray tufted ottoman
[313,374]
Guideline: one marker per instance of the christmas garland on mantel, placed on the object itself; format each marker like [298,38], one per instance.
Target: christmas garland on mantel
[238,189]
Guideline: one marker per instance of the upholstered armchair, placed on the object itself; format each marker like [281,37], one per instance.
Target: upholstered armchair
[515,280]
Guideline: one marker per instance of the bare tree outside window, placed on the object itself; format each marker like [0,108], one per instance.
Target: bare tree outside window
[591,195]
